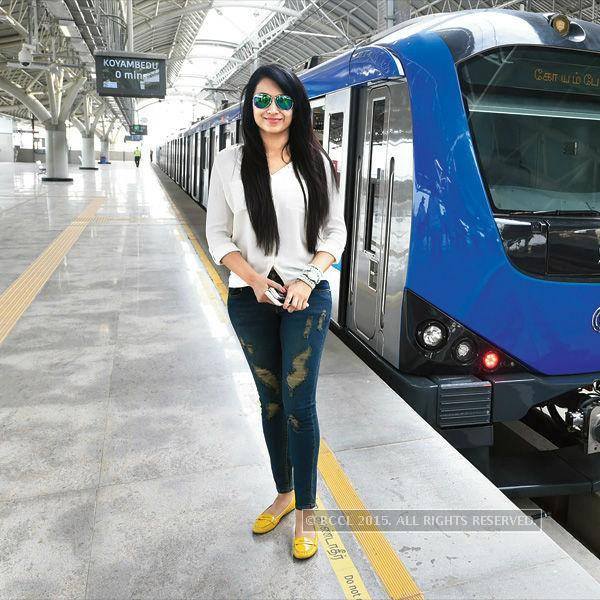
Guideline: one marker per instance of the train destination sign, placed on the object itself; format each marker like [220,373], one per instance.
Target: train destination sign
[131,75]
[544,70]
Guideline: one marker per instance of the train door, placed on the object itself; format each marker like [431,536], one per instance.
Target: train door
[189,164]
[180,161]
[186,161]
[383,201]
[205,167]
[184,143]
[195,168]
[211,149]
[182,174]
[331,121]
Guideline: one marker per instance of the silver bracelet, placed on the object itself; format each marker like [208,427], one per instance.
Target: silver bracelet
[313,273]
[306,280]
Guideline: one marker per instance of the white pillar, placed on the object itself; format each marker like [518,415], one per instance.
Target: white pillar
[87,154]
[105,151]
[129,25]
[57,156]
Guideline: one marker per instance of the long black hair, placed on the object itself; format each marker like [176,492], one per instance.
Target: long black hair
[307,161]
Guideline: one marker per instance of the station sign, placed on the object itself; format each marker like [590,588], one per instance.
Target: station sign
[134,138]
[138,129]
[131,75]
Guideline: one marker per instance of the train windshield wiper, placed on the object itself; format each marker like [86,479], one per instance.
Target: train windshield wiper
[539,212]
[556,213]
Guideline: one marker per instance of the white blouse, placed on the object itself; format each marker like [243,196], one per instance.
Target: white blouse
[228,226]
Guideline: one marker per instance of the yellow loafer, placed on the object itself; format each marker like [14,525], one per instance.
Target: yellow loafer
[266,522]
[305,547]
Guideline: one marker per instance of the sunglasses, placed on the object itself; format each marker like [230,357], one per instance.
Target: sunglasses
[282,101]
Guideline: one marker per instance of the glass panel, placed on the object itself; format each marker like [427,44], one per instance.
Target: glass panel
[376,184]
[535,118]
[336,129]
[223,133]
[318,117]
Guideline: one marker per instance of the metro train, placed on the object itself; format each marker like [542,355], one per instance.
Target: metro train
[468,148]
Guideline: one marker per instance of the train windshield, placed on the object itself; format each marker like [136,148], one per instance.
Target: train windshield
[535,119]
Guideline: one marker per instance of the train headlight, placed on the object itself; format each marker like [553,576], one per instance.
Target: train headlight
[561,24]
[432,335]
[464,351]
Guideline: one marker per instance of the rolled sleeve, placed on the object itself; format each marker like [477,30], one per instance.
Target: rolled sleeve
[333,236]
[219,218]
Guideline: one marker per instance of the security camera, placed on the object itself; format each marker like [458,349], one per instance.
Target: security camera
[25,55]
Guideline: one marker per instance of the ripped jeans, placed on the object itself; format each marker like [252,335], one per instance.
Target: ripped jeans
[284,353]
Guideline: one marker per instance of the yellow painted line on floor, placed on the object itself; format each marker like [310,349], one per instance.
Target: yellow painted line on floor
[385,562]
[16,299]
[343,566]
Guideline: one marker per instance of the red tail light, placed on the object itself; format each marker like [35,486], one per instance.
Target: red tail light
[490,360]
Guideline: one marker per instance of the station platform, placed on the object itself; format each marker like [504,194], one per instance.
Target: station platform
[132,462]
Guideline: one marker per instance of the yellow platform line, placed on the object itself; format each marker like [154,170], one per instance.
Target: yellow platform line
[343,566]
[385,562]
[15,300]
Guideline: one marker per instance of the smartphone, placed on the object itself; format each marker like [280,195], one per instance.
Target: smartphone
[275,296]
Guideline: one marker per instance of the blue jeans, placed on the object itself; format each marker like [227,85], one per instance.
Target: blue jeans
[284,352]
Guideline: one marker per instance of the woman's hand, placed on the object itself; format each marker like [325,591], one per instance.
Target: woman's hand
[297,295]
[261,284]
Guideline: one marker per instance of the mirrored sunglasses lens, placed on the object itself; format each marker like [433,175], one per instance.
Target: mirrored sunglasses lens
[284,102]
[262,100]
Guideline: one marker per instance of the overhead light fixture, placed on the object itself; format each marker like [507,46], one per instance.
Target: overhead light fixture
[68,28]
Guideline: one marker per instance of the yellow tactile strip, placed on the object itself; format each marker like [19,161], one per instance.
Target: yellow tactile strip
[16,299]
[385,562]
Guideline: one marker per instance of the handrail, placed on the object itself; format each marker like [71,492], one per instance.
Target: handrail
[386,250]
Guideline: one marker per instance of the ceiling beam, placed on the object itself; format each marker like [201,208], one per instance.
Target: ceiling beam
[204,6]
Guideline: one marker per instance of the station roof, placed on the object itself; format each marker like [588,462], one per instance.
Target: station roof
[212,46]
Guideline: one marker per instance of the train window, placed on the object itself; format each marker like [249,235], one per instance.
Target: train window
[376,183]
[535,120]
[318,117]
[336,129]
[223,134]
[238,130]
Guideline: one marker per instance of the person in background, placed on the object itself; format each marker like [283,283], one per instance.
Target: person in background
[151,155]
[137,155]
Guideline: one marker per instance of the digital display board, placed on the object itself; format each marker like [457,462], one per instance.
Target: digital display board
[131,75]
[138,129]
[536,69]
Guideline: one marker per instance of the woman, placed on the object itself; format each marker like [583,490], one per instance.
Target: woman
[271,231]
